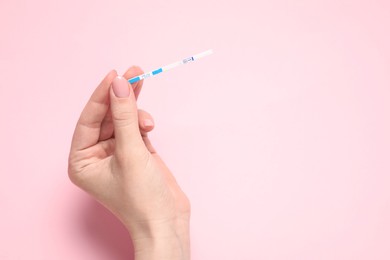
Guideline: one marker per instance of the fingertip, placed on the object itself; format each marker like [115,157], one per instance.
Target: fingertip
[132,72]
[114,72]
[121,87]
[111,74]
[148,123]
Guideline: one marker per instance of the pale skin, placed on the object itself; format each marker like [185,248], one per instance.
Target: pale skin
[112,159]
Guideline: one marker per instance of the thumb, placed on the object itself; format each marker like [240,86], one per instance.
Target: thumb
[128,140]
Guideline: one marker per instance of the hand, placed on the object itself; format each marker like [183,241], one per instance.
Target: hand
[112,158]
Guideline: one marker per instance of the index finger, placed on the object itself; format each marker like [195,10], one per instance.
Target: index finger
[133,72]
[87,130]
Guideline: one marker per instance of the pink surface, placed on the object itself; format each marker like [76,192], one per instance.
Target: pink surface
[280,139]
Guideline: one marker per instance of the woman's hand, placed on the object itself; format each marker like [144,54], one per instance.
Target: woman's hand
[112,159]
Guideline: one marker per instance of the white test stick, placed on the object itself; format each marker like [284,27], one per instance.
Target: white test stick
[170,66]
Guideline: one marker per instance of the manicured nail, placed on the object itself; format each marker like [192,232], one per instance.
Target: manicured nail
[148,122]
[120,87]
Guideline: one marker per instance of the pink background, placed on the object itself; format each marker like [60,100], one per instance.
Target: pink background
[280,139]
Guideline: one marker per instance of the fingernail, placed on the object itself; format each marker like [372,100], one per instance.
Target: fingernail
[148,122]
[120,87]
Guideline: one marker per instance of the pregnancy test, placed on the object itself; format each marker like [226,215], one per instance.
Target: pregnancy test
[170,66]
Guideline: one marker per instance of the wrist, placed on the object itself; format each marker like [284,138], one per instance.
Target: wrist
[161,240]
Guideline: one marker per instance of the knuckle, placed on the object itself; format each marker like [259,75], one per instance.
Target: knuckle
[75,168]
[124,118]
[74,175]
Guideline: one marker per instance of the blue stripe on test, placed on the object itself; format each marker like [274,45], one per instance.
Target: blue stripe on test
[157,71]
[134,80]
